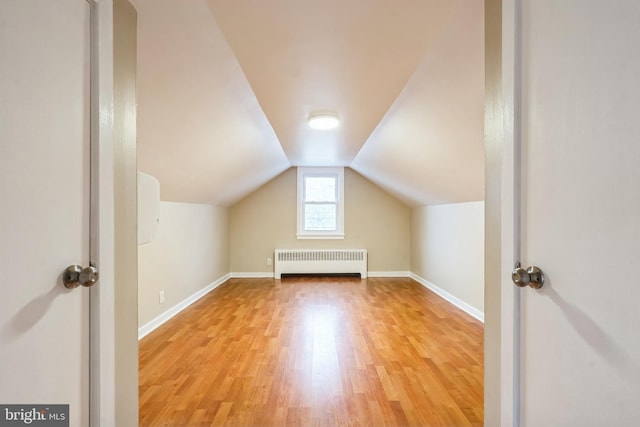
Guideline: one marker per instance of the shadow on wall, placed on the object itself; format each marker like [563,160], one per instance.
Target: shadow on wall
[33,312]
[601,343]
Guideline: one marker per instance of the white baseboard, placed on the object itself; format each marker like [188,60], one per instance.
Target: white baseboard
[149,327]
[472,311]
[270,275]
[252,275]
[389,273]
[164,317]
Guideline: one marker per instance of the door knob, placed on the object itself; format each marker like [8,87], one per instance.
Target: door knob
[532,276]
[74,276]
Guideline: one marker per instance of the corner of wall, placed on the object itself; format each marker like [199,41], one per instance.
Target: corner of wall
[193,235]
[447,252]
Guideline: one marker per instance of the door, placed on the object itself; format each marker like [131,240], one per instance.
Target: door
[44,203]
[580,207]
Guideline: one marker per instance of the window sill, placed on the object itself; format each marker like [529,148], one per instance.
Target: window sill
[320,236]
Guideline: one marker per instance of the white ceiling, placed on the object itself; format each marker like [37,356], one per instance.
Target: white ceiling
[225,87]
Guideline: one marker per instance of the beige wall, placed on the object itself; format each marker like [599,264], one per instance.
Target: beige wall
[266,220]
[125,193]
[190,252]
[447,249]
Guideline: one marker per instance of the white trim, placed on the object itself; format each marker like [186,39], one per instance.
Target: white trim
[472,311]
[510,305]
[270,275]
[320,236]
[338,173]
[102,394]
[389,274]
[252,275]
[173,311]
[154,324]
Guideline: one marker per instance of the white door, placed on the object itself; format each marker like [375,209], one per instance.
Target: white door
[580,334]
[44,205]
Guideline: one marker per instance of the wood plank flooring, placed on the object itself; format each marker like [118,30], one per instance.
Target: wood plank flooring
[314,352]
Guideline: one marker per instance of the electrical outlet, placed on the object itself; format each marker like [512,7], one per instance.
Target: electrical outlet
[161,297]
[269,261]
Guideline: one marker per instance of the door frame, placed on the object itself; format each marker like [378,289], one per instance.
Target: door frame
[510,207]
[502,337]
[502,298]
[102,387]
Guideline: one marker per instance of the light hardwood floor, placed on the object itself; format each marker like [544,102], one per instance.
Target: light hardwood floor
[314,352]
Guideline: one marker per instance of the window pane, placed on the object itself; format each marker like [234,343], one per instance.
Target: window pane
[320,217]
[319,189]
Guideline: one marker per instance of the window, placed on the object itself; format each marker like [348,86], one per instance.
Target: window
[320,203]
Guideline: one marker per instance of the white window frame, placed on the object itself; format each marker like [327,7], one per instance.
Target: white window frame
[337,173]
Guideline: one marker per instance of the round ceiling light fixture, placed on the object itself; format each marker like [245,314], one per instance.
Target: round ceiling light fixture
[323,120]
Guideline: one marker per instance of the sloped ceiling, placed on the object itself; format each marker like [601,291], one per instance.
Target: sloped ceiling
[225,87]
[429,147]
[201,131]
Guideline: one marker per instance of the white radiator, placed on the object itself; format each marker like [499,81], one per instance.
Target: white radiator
[320,261]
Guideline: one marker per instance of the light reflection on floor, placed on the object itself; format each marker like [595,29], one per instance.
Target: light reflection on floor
[320,326]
